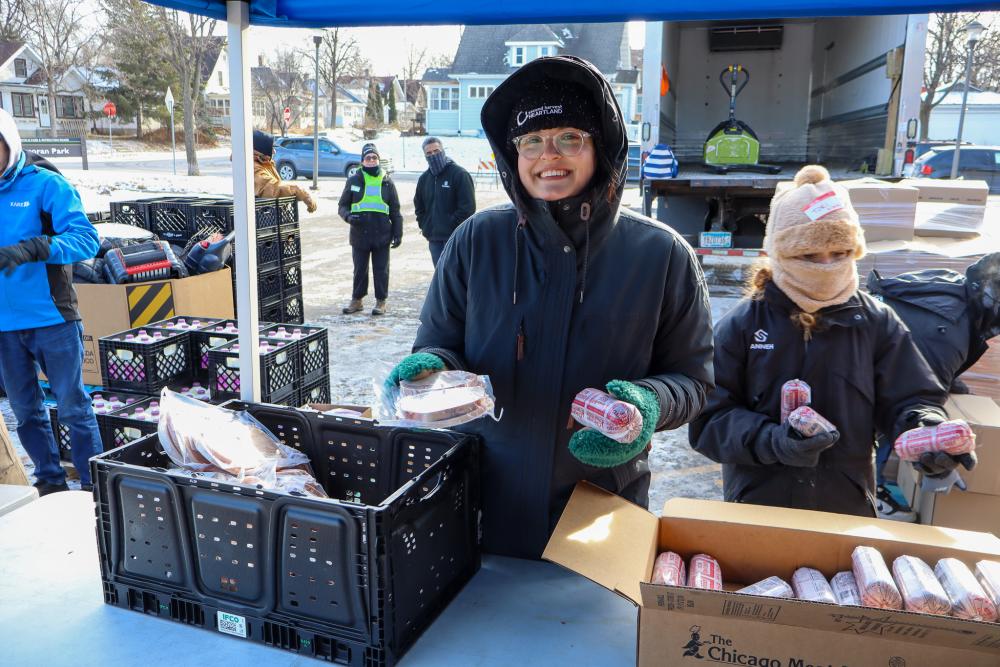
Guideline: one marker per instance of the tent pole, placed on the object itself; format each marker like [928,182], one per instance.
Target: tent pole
[238,15]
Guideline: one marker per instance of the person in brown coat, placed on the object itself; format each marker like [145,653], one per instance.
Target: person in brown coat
[266,182]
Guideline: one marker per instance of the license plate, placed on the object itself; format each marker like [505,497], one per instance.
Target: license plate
[231,624]
[716,240]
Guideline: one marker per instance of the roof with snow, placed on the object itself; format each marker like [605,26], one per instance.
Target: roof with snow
[534,33]
[951,95]
[8,50]
[437,75]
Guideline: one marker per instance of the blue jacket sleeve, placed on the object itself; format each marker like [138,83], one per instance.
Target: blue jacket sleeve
[75,238]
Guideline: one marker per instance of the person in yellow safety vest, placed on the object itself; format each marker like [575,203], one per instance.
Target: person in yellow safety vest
[370,205]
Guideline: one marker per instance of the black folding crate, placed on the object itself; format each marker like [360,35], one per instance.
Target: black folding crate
[291,244]
[205,339]
[217,216]
[279,371]
[313,348]
[97,217]
[124,426]
[354,579]
[317,391]
[145,367]
[135,213]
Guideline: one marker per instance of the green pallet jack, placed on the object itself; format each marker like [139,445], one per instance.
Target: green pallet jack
[732,145]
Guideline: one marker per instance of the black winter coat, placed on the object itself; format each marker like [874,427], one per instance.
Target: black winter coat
[443,202]
[637,309]
[371,230]
[865,373]
[935,305]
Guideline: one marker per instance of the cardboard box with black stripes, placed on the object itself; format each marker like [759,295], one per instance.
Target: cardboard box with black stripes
[107,309]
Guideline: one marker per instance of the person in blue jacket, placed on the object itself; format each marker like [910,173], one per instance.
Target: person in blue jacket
[43,230]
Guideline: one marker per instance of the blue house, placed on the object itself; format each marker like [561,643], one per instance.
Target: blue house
[488,54]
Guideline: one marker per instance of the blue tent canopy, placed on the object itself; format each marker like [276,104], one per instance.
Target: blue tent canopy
[322,13]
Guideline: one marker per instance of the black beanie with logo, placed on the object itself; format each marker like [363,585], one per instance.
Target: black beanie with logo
[550,103]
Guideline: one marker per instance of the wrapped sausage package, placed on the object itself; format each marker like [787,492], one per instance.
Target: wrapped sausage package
[988,575]
[794,394]
[705,573]
[810,584]
[620,421]
[772,587]
[441,400]
[210,442]
[968,599]
[919,587]
[953,437]
[874,580]
[669,570]
[845,589]
[808,422]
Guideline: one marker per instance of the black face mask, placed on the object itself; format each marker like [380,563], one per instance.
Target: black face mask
[437,162]
[371,171]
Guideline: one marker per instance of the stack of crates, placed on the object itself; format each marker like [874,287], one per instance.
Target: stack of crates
[313,354]
[279,278]
[279,371]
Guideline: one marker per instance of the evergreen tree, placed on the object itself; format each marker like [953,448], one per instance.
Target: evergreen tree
[373,112]
[392,104]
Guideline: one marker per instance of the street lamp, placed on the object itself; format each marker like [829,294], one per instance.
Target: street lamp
[973,32]
[317,40]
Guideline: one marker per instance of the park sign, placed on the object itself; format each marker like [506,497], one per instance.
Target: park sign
[52,148]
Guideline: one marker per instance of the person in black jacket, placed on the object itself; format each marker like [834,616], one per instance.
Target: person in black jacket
[805,319]
[445,197]
[559,291]
[951,317]
[370,205]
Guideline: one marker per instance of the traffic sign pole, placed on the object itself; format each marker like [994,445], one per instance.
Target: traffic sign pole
[168,99]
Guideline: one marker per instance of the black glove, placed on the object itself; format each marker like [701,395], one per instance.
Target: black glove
[30,250]
[780,443]
[396,242]
[939,464]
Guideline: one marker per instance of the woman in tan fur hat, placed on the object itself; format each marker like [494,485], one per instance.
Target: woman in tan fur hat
[805,319]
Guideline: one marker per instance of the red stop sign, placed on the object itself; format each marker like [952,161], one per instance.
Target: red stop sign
[287,113]
[110,109]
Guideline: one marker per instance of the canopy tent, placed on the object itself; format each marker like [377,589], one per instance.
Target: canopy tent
[241,14]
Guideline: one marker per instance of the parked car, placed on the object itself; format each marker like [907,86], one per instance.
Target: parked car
[979,163]
[634,163]
[293,157]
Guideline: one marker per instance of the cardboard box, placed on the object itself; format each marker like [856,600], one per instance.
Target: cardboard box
[983,378]
[955,221]
[886,210]
[366,412]
[983,415]
[947,191]
[108,309]
[614,543]
[957,509]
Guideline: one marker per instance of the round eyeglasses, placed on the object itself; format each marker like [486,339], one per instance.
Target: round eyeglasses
[567,144]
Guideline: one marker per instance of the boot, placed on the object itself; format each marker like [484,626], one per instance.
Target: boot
[379,308]
[355,306]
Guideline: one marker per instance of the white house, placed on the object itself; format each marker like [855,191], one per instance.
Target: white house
[982,117]
[23,92]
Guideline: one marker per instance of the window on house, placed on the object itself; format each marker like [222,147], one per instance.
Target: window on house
[68,106]
[545,51]
[220,78]
[518,56]
[444,99]
[22,105]
[480,92]
[20,68]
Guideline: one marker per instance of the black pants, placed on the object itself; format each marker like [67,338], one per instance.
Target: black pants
[380,267]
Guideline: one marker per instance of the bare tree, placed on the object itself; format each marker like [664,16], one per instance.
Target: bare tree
[190,41]
[13,21]
[416,62]
[55,30]
[339,58]
[944,61]
[282,86]
[442,61]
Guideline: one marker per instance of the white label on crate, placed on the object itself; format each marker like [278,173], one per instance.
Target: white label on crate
[232,624]
[826,203]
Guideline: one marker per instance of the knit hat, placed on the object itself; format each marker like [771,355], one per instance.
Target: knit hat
[552,103]
[369,148]
[814,216]
[263,143]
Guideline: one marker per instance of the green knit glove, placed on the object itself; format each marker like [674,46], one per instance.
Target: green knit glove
[412,366]
[596,449]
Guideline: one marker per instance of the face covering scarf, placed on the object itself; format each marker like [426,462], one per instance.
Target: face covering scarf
[437,162]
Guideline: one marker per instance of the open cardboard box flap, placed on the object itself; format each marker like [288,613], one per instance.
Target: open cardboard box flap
[974,409]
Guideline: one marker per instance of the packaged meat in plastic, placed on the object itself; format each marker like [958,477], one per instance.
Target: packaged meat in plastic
[669,570]
[772,587]
[620,421]
[808,422]
[441,400]
[705,572]
[988,575]
[810,584]
[794,394]
[874,581]
[968,599]
[845,589]
[919,587]
[295,480]
[953,437]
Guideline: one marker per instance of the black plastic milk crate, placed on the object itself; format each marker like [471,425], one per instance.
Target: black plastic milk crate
[61,431]
[354,579]
[135,212]
[122,427]
[206,338]
[170,219]
[279,371]
[288,211]
[291,244]
[218,216]
[291,277]
[269,286]
[148,367]
[313,348]
[317,391]
[268,251]
[293,310]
